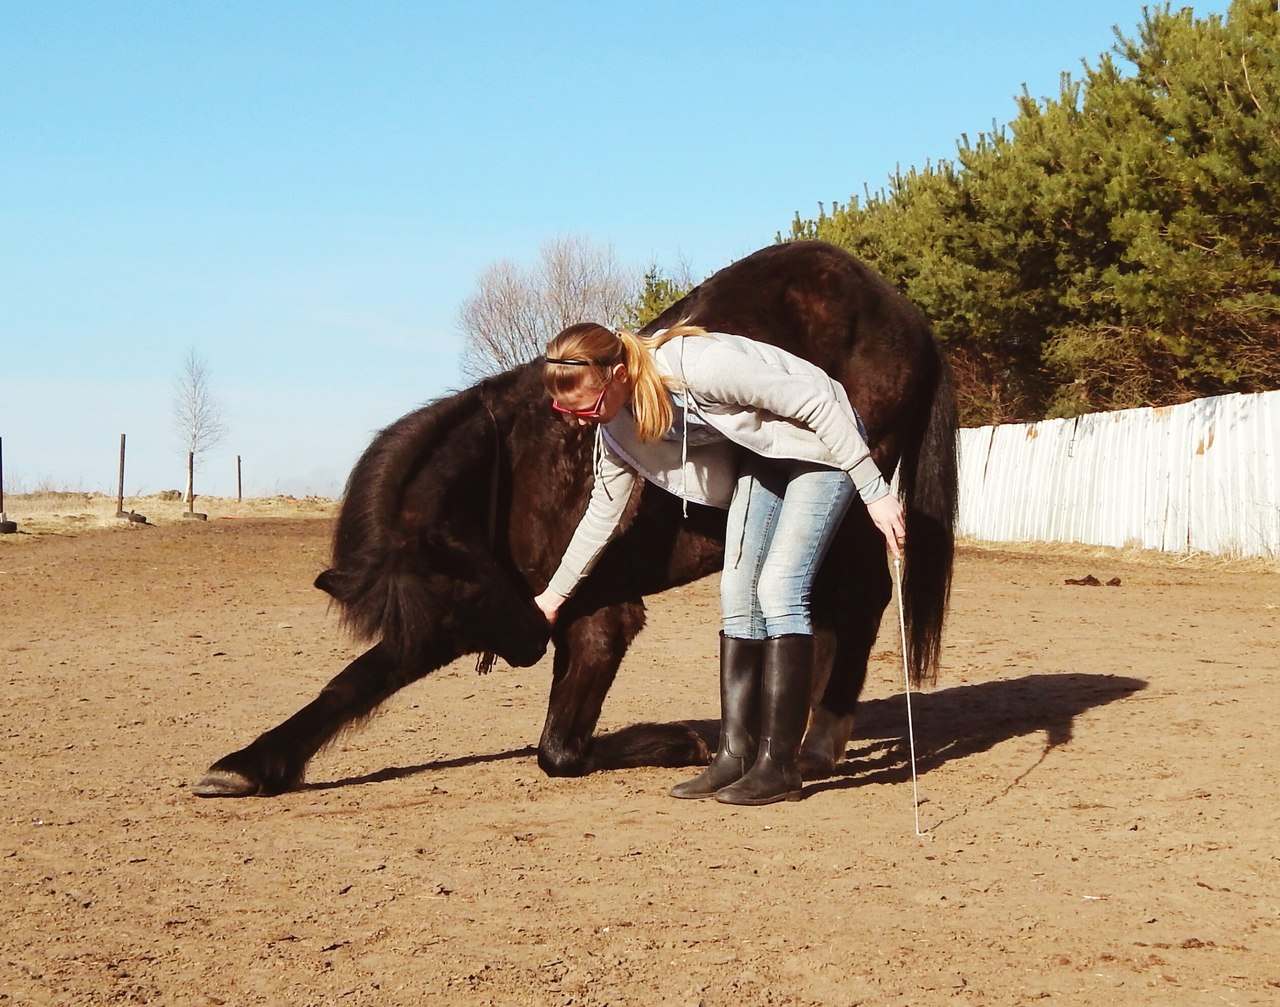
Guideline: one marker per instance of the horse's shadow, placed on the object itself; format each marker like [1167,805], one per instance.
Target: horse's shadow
[948,724]
[401,772]
[967,719]
[956,722]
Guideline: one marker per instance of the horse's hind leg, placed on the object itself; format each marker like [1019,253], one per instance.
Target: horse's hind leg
[860,592]
[277,760]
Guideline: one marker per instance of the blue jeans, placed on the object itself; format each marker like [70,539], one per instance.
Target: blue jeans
[782,519]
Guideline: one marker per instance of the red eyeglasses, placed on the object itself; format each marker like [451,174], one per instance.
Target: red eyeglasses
[585,414]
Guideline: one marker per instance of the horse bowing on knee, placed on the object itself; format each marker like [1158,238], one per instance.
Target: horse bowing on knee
[457,515]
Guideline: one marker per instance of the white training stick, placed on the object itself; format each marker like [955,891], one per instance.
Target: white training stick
[906,675]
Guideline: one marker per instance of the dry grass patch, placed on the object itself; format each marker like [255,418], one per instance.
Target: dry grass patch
[58,512]
[1129,554]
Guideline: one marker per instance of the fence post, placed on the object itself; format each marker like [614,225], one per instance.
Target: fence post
[120,485]
[7,527]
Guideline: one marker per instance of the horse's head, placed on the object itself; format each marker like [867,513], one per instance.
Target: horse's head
[479,606]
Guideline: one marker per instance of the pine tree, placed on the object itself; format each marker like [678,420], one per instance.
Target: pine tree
[1117,244]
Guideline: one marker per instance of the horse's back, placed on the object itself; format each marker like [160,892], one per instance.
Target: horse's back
[819,302]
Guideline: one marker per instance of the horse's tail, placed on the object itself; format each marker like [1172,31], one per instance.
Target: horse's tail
[930,489]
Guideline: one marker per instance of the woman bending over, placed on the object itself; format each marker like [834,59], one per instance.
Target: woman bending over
[730,422]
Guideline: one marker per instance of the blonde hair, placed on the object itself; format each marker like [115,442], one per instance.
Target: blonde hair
[586,352]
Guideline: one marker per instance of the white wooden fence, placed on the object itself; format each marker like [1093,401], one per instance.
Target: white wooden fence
[1203,476]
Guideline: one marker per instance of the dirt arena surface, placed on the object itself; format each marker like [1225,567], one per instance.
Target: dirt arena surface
[1098,783]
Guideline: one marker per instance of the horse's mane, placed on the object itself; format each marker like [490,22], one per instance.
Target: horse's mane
[396,454]
[374,549]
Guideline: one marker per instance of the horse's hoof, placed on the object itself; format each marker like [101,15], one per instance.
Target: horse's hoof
[226,783]
[824,743]
[816,767]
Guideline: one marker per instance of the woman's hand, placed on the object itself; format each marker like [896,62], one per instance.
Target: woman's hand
[549,602]
[887,515]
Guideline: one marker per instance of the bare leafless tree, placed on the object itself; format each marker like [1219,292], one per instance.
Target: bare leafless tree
[514,311]
[198,416]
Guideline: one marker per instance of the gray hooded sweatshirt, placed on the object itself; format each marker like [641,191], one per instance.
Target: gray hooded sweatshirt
[737,394]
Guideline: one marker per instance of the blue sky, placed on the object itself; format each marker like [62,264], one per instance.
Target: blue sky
[305,192]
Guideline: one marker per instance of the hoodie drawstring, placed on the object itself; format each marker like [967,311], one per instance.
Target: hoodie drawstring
[684,437]
[597,459]
[684,458]
[746,509]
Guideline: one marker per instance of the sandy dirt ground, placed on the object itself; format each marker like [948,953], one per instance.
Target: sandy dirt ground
[1098,781]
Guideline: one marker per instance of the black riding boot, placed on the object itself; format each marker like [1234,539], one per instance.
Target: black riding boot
[775,776]
[740,662]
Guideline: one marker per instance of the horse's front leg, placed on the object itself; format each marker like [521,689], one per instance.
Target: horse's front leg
[588,653]
[277,760]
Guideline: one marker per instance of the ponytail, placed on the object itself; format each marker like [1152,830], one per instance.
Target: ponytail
[589,351]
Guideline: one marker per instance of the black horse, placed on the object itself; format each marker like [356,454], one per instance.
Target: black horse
[458,513]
